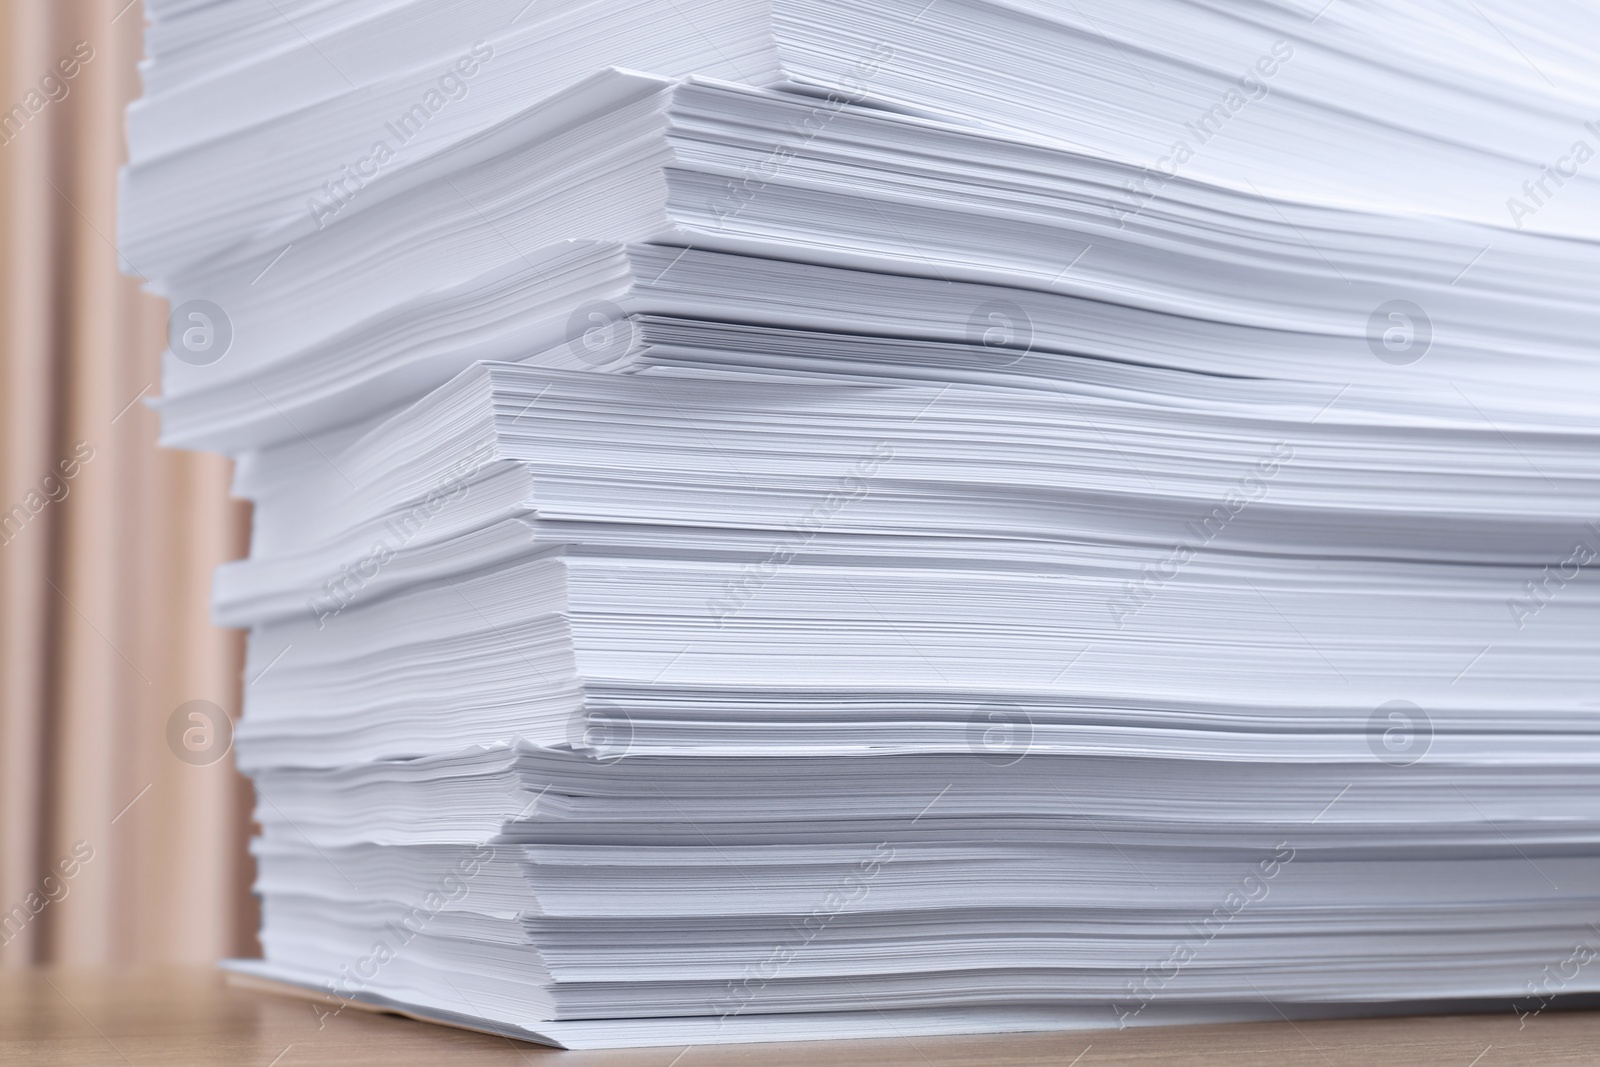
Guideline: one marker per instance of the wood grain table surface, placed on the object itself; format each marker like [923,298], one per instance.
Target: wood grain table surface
[183,1017]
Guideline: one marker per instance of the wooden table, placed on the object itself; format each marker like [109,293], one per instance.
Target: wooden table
[178,1018]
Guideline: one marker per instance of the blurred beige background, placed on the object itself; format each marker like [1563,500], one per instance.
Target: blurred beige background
[105,569]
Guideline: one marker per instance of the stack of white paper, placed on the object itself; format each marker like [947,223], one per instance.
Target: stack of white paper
[837,535]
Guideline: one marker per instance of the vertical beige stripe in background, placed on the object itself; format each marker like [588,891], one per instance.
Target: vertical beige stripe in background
[26,319]
[105,629]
